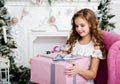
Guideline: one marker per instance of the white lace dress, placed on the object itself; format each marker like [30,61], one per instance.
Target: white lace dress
[85,51]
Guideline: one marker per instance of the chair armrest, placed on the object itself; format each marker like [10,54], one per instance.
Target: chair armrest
[113,61]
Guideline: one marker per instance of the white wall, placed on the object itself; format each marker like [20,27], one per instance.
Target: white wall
[33,24]
[115,9]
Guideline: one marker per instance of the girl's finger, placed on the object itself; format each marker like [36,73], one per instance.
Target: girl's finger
[74,64]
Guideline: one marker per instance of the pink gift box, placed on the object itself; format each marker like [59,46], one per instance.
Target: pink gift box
[46,71]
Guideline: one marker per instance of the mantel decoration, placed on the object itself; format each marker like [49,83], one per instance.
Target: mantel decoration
[104,15]
[50,1]
[38,2]
[21,74]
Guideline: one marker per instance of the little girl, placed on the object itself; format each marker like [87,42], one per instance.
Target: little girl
[85,40]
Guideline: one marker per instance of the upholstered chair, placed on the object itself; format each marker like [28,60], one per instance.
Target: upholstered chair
[109,70]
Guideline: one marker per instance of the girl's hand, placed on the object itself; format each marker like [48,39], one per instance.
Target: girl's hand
[73,70]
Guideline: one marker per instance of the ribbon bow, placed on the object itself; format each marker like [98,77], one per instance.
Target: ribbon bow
[59,57]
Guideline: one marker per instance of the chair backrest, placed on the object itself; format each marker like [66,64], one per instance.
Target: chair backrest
[109,39]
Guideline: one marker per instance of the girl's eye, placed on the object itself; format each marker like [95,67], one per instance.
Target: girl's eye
[82,25]
[79,25]
[76,25]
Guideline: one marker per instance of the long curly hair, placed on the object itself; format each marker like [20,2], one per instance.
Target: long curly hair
[95,31]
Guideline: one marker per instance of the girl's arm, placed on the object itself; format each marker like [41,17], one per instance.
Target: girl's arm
[64,52]
[86,73]
[92,72]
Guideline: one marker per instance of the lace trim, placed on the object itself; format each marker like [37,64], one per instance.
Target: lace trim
[97,54]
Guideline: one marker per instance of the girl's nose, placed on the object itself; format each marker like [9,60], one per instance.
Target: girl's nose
[79,28]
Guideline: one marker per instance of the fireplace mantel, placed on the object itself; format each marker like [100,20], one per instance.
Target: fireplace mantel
[45,35]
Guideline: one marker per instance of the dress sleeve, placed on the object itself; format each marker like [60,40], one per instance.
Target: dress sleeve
[97,54]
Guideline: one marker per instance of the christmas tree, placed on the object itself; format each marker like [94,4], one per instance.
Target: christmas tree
[6,41]
[20,74]
[104,15]
[7,44]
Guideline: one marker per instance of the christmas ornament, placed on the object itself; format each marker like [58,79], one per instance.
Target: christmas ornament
[52,19]
[25,11]
[14,20]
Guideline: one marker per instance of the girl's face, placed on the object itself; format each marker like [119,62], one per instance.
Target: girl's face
[82,27]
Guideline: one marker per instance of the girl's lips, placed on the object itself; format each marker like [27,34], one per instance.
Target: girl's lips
[80,32]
